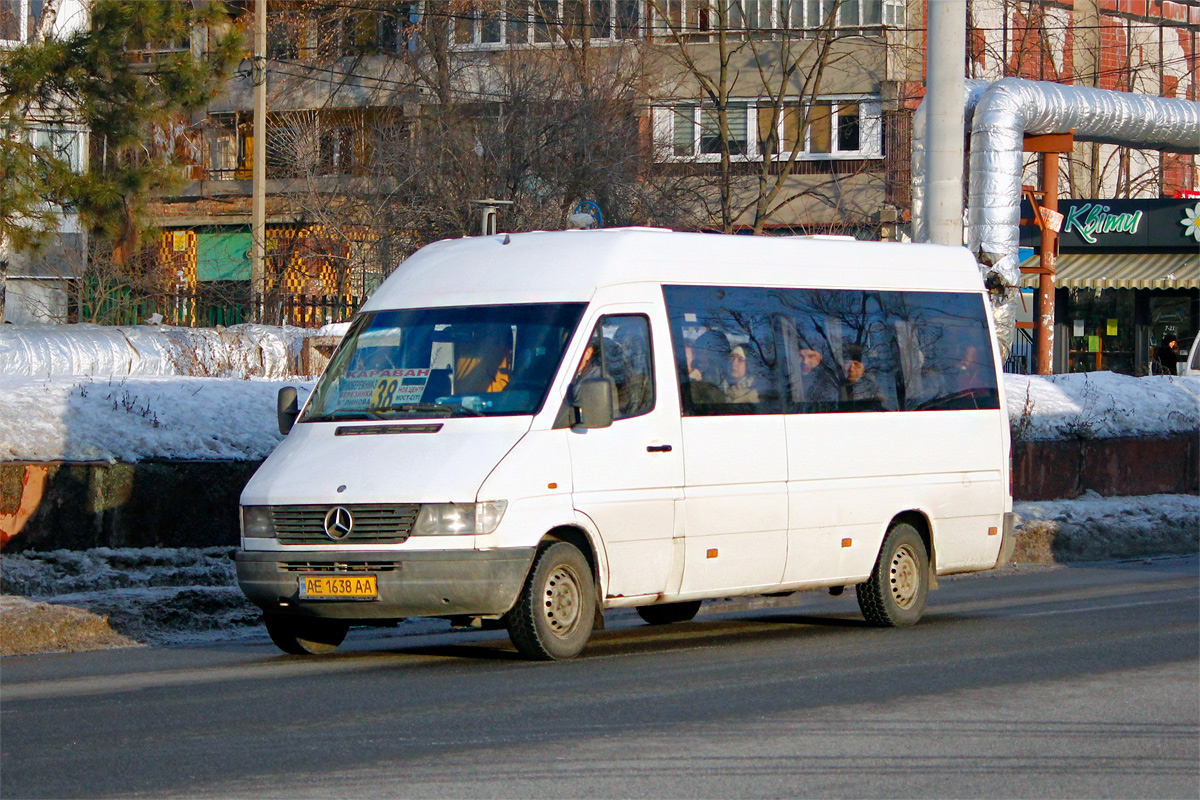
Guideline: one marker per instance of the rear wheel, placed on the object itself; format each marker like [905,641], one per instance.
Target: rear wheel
[305,635]
[554,613]
[896,592]
[666,613]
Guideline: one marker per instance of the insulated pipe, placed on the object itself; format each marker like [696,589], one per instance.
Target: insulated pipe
[946,25]
[972,91]
[1011,108]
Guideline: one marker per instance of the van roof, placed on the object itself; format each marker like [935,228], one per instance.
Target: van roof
[569,266]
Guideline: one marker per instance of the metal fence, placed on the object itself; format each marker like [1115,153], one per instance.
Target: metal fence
[209,309]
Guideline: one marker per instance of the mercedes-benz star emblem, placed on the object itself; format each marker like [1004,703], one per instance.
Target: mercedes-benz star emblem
[338,523]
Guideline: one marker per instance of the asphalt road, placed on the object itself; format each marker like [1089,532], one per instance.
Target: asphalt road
[1080,682]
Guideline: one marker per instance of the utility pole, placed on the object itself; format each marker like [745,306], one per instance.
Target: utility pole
[1049,221]
[945,64]
[258,175]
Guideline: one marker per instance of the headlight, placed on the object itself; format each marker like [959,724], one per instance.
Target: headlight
[257,523]
[442,519]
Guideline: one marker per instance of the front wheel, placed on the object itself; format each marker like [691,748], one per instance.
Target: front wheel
[301,636]
[895,594]
[666,613]
[553,617]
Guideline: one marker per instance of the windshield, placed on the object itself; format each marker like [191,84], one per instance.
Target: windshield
[445,362]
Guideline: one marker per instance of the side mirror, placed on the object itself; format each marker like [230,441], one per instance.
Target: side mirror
[287,408]
[592,399]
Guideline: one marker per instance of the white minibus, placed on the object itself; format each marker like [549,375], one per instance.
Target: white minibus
[524,430]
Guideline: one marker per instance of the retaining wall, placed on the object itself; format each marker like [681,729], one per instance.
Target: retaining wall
[195,503]
[1065,469]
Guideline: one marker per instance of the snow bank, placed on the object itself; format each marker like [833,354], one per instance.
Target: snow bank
[1091,527]
[150,595]
[238,351]
[92,418]
[1101,405]
[135,418]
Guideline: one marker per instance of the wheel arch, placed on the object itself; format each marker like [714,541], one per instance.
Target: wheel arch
[920,521]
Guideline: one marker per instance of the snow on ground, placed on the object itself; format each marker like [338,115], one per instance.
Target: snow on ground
[1092,528]
[88,418]
[1101,405]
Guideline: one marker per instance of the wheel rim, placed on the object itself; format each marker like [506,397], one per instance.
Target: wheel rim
[905,577]
[562,601]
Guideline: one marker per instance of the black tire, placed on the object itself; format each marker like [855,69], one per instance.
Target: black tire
[305,636]
[666,613]
[895,594]
[553,617]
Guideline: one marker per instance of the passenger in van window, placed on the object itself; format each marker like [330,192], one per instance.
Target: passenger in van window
[739,385]
[700,387]
[814,385]
[859,391]
[970,375]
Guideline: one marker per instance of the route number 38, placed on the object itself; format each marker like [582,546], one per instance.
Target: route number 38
[385,391]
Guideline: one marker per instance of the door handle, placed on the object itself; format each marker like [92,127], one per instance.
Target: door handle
[658,448]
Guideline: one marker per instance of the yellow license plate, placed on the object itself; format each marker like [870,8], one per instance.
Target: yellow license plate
[338,587]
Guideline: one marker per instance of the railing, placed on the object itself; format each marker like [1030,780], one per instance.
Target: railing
[1020,358]
[210,309]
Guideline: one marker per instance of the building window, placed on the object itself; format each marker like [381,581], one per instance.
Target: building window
[701,17]
[17,21]
[520,22]
[61,143]
[836,128]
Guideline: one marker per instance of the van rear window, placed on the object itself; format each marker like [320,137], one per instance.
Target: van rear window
[746,350]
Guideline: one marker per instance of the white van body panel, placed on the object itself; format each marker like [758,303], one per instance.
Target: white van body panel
[735,502]
[443,467]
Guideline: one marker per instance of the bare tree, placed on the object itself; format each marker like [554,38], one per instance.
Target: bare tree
[730,55]
[542,127]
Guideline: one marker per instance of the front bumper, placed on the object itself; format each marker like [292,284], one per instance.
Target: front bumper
[417,583]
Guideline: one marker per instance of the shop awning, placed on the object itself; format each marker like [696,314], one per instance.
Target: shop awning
[1122,271]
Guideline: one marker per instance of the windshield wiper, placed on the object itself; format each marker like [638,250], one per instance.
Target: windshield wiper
[437,408]
[344,416]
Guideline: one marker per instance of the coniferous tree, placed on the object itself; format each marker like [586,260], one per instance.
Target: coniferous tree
[136,67]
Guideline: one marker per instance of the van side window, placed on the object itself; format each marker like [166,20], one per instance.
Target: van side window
[619,348]
[803,351]
[945,351]
[725,350]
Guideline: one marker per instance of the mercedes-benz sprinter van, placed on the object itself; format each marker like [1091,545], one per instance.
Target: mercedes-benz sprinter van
[526,429]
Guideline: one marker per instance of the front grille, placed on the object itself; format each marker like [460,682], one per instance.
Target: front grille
[328,566]
[374,523]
